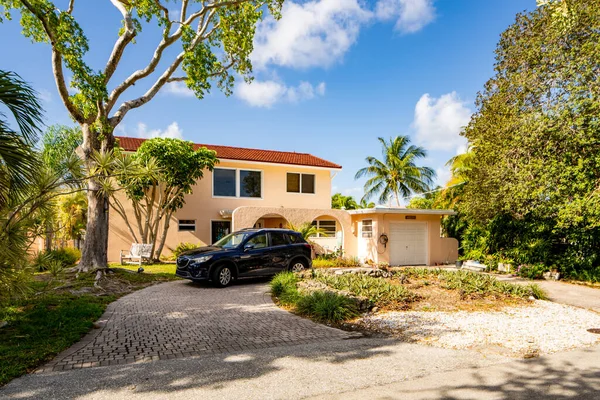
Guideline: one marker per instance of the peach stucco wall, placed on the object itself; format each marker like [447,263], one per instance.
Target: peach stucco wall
[440,249]
[203,207]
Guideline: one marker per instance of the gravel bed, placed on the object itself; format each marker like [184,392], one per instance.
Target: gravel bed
[542,328]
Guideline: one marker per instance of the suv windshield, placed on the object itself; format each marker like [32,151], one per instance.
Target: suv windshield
[232,240]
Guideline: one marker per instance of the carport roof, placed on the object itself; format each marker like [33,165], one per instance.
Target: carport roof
[400,210]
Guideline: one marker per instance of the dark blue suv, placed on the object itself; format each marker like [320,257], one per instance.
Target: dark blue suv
[247,253]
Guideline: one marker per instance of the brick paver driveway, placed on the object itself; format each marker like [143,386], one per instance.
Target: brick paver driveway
[180,319]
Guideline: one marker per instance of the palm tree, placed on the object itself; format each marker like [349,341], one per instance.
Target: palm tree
[460,166]
[17,160]
[398,174]
[307,230]
[366,204]
[342,202]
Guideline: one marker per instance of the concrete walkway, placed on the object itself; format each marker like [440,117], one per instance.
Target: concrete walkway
[565,293]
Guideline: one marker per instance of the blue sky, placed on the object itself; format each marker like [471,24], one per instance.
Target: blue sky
[331,77]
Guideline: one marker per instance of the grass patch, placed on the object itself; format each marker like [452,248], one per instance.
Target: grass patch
[38,329]
[162,268]
[59,311]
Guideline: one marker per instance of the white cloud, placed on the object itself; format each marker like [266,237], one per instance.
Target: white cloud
[311,34]
[172,131]
[438,122]
[318,33]
[410,15]
[178,89]
[267,93]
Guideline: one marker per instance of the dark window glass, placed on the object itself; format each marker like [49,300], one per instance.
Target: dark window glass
[293,183]
[308,183]
[278,239]
[187,225]
[250,183]
[259,241]
[295,238]
[224,182]
[219,229]
[327,228]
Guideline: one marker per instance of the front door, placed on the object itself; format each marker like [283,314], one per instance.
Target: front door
[219,229]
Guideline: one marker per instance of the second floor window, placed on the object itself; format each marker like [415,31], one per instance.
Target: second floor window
[237,183]
[300,183]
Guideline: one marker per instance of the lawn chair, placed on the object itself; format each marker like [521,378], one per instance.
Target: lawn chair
[137,254]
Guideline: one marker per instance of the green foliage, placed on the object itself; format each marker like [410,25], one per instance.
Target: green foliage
[341,202]
[420,203]
[67,256]
[307,229]
[472,284]
[59,143]
[38,329]
[533,271]
[327,306]
[180,167]
[284,281]
[397,174]
[532,192]
[184,246]
[325,261]
[379,291]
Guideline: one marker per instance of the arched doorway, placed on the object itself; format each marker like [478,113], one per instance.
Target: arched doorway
[271,220]
[330,235]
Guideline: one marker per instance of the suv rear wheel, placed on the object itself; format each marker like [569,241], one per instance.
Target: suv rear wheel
[222,276]
[298,265]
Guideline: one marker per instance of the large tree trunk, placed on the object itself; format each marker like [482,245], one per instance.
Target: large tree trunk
[94,252]
[163,236]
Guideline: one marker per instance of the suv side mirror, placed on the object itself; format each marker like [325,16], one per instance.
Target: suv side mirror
[248,246]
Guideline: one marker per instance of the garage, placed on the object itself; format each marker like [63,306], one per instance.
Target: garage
[408,243]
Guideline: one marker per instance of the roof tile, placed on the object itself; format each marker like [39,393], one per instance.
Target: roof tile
[246,154]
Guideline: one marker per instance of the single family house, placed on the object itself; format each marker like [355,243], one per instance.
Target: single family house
[266,188]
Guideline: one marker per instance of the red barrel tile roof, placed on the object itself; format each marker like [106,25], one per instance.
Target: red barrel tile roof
[245,154]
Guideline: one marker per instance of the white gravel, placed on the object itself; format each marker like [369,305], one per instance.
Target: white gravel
[542,328]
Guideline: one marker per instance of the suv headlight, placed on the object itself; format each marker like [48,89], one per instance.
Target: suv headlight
[200,260]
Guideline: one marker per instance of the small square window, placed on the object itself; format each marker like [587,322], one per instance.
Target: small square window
[293,183]
[187,225]
[367,228]
[308,183]
[250,183]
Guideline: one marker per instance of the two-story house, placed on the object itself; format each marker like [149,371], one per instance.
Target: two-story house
[266,188]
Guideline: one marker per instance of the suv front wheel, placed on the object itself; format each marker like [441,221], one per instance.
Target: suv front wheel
[222,276]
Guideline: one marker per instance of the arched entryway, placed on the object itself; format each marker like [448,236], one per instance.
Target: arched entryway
[330,234]
[271,220]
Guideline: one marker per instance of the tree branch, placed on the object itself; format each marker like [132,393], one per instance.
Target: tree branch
[151,67]
[161,81]
[57,67]
[121,43]
[71,5]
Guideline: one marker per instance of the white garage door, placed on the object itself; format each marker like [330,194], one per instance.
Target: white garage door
[408,243]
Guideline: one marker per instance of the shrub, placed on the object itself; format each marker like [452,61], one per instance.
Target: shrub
[534,271]
[282,282]
[327,306]
[183,247]
[339,262]
[66,257]
[379,291]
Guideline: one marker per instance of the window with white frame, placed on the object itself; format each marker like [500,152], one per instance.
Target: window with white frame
[326,228]
[237,183]
[187,225]
[300,183]
[367,228]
